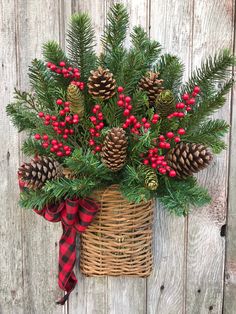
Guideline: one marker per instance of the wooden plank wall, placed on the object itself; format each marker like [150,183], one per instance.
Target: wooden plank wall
[195,263]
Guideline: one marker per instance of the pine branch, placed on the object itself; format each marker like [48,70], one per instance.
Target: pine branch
[216,68]
[81,44]
[171,71]
[52,52]
[32,147]
[115,30]
[43,84]
[209,133]
[179,195]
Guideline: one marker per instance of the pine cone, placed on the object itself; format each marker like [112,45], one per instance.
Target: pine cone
[165,103]
[39,170]
[188,158]
[114,150]
[151,181]
[151,85]
[101,84]
[76,99]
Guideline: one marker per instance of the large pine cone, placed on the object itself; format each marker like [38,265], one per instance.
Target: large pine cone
[39,170]
[151,85]
[76,99]
[188,158]
[101,84]
[114,150]
[165,103]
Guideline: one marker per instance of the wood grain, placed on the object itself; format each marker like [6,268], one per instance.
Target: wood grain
[11,242]
[166,291]
[212,30]
[38,21]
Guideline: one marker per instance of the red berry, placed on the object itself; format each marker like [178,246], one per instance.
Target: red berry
[91,142]
[130,107]
[188,108]
[177,139]
[66,131]
[46,122]
[37,136]
[154,165]
[124,126]
[59,154]
[127,99]
[120,89]
[53,142]
[41,114]
[67,109]
[172,173]
[147,125]
[62,64]
[67,104]
[181,131]
[180,105]
[146,161]
[52,149]
[191,101]
[68,152]
[59,102]
[62,123]
[97,107]
[54,118]
[120,103]
[45,137]
[162,138]
[97,148]
[53,67]
[56,147]
[67,118]
[175,114]
[97,134]
[167,145]
[155,116]
[164,163]
[154,121]
[62,112]
[181,114]
[170,134]
[194,94]
[60,144]
[185,96]
[101,125]
[144,120]
[197,89]
[45,145]
[47,117]
[162,170]
[71,131]
[65,136]
[49,64]
[137,125]
[75,121]
[121,96]
[126,113]
[132,119]
[162,145]
[66,147]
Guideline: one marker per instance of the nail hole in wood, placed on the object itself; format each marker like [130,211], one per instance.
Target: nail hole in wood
[210,308]
[55,244]
[162,287]
[8,155]
[199,291]
[223,231]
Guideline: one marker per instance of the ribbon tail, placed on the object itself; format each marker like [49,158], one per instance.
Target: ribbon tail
[67,258]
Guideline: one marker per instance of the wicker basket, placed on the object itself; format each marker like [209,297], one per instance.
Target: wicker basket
[119,240]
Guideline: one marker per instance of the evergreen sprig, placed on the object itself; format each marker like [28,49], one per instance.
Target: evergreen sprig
[81,44]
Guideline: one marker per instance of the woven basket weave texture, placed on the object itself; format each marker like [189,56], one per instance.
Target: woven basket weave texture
[119,240]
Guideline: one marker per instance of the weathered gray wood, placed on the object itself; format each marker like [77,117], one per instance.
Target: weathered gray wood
[38,21]
[166,292]
[212,30]
[230,266]
[11,260]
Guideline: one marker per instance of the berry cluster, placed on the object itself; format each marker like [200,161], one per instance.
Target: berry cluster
[67,72]
[185,106]
[158,162]
[98,125]
[131,120]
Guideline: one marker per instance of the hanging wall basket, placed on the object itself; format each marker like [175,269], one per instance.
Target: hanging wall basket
[119,240]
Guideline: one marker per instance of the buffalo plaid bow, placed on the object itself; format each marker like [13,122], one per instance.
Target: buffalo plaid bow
[75,216]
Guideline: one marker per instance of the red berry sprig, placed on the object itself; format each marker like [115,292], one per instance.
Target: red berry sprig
[131,121]
[67,72]
[98,125]
[185,106]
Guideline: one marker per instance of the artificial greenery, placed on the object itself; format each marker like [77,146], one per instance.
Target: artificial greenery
[128,66]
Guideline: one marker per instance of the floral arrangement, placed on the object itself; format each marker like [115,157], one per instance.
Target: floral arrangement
[124,117]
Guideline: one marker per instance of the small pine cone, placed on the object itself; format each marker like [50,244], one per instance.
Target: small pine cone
[165,103]
[76,99]
[101,84]
[151,85]
[114,150]
[151,181]
[188,158]
[39,170]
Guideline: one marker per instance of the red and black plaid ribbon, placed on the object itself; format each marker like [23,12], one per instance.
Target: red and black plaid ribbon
[75,216]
